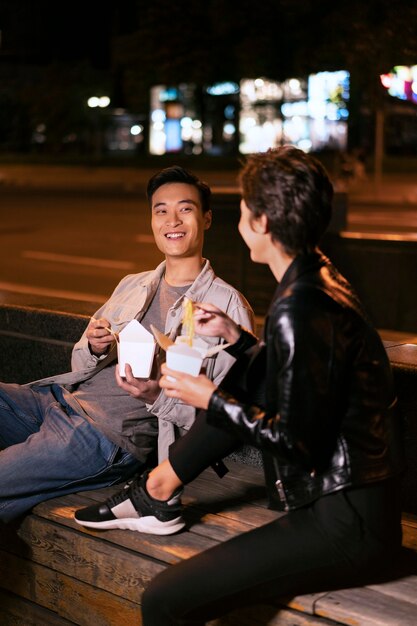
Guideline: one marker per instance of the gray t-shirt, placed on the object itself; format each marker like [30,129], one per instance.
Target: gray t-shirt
[121,417]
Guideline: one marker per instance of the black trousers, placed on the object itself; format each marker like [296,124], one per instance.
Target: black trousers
[342,539]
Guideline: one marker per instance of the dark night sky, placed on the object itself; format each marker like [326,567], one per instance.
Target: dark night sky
[43,31]
[212,40]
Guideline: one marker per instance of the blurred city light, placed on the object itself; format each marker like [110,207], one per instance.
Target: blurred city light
[253,116]
[136,129]
[98,101]
[401,82]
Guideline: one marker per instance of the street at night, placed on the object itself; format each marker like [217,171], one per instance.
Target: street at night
[77,243]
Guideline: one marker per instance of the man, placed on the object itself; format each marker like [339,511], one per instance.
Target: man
[90,428]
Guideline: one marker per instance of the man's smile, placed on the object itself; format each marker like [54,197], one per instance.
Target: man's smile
[175,235]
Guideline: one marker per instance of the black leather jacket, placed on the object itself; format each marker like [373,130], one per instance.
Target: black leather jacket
[327,412]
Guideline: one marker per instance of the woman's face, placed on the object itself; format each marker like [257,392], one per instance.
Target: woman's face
[253,231]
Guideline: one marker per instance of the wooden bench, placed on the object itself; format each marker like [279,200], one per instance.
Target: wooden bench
[54,572]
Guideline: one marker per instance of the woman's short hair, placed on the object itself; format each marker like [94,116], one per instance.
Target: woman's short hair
[177,174]
[293,190]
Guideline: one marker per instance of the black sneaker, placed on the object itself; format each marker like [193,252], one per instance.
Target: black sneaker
[133,508]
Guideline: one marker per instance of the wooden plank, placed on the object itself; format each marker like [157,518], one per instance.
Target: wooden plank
[409,526]
[366,607]
[89,559]
[410,519]
[409,537]
[404,589]
[246,485]
[229,505]
[260,615]
[15,611]
[305,603]
[168,549]
[240,472]
[73,600]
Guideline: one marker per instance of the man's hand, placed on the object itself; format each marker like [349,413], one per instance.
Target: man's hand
[98,335]
[146,390]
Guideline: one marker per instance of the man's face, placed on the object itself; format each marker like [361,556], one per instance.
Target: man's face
[178,222]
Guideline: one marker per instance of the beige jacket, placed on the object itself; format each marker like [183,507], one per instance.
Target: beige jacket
[130,300]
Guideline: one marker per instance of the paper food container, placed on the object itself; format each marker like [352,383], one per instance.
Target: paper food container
[197,344]
[182,358]
[136,346]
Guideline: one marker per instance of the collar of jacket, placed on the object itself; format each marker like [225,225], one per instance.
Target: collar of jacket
[302,264]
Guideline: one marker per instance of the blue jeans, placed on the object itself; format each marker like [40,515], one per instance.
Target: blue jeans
[48,450]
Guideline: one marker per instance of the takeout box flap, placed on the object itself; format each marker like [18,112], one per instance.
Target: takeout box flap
[134,331]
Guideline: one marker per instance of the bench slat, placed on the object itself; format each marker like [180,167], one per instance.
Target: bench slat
[19,612]
[402,589]
[366,607]
[86,558]
[261,615]
[74,600]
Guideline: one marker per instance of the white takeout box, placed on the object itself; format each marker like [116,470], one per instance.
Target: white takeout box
[197,344]
[182,358]
[136,346]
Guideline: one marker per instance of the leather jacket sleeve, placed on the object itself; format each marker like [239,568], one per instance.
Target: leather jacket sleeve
[246,340]
[305,387]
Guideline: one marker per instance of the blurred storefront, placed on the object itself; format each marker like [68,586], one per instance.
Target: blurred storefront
[400,110]
[227,118]
[175,120]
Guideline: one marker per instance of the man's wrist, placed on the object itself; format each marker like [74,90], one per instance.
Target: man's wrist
[95,353]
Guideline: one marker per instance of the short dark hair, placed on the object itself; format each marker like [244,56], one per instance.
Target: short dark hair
[177,174]
[293,190]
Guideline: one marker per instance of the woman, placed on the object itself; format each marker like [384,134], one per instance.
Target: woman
[326,416]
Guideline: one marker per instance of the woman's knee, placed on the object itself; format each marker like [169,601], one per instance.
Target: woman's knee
[154,604]
[165,598]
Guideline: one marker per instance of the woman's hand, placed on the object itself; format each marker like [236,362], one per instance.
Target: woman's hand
[213,322]
[193,390]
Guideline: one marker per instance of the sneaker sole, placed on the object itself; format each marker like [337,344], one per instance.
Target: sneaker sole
[149,525]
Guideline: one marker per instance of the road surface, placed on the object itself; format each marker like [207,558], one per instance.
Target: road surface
[78,244]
